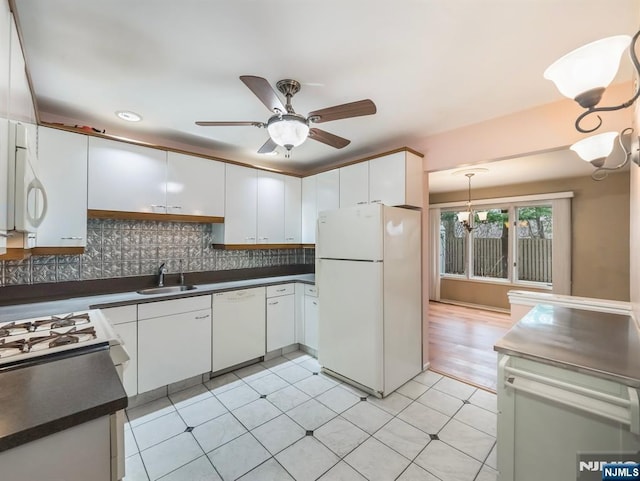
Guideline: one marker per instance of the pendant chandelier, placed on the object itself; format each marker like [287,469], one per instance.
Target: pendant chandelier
[466,218]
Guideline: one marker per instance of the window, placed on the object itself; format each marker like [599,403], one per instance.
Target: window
[534,232]
[453,244]
[513,244]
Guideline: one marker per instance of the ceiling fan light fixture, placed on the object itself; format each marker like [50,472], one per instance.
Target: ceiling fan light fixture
[288,130]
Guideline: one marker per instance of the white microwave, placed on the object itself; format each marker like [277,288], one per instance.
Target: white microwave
[26,196]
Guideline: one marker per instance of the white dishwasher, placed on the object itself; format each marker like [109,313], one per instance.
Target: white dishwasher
[239,327]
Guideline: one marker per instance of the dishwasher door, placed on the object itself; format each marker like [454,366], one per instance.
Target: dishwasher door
[548,415]
[239,327]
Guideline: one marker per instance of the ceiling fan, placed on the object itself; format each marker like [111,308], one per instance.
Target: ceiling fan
[286,127]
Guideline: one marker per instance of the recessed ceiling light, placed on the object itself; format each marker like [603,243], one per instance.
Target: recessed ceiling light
[129,116]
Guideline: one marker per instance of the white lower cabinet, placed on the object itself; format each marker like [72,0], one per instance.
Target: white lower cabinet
[239,331]
[280,316]
[174,341]
[124,320]
[311,317]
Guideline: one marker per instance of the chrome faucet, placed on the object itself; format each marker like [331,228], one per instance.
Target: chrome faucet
[181,275]
[162,270]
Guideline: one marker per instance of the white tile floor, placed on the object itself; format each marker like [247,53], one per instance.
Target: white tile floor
[281,420]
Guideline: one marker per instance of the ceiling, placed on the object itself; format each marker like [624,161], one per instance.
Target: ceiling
[429,65]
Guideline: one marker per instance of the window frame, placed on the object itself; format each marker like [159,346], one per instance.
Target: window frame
[512,242]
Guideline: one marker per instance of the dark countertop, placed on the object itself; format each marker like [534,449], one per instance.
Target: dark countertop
[597,343]
[42,399]
[76,304]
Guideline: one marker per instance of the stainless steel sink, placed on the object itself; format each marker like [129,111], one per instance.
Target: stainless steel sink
[166,290]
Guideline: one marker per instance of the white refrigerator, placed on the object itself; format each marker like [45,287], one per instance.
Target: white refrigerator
[368,274]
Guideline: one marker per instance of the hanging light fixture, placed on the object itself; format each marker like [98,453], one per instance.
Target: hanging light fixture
[466,218]
[288,130]
[586,72]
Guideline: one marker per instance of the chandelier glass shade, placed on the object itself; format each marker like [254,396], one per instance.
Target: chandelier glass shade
[288,130]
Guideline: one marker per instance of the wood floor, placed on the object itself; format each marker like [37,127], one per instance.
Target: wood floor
[461,342]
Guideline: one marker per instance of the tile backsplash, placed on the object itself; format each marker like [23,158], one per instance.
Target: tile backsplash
[119,248]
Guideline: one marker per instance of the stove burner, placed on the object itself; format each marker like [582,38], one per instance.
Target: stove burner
[55,339]
[12,329]
[7,348]
[56,322]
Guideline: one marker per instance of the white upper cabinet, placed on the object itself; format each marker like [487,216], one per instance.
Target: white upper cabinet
[126,177]
[328,193]
[270,216]
[354,184]
[195,186]
[20,102]
[63,170]
[292,209]
[5,61]
[241,198]
[309,209]
[319,192]
[396,179]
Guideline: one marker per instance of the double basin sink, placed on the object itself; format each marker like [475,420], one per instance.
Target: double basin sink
[166,290]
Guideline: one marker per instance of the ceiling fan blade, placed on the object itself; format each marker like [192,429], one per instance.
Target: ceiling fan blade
[327,138]
[268,147]
[261,89]
[227,124]
[344,111]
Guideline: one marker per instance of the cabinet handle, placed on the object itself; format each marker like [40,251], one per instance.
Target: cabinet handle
[281,290]
[363,202]
[289,238]
[315,303]
[263,238]
[273,303]
[203,317]
[158,205]
[175,207]
[377,201]
[71,238]
[249,238]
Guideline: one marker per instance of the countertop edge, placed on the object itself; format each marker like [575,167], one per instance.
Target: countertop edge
[97,368]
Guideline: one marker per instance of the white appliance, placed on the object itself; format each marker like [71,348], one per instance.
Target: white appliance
[368,275]
[548,415]
[35,340]
[26,196]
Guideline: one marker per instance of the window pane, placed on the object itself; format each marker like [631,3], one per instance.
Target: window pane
[535,234]
[453,244]
[491,245]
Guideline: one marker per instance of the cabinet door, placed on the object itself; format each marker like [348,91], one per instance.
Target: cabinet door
[126,177]
[354,184]
[292,210]
[396,179]
[128,332]
[280,322]
[311,322]
[241,197]
[63,171]
[270,217]
[328,195]
[173,348]
[20,101]
[299,310]
[4,179]
[309,209]
[195,186]
[238,327]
